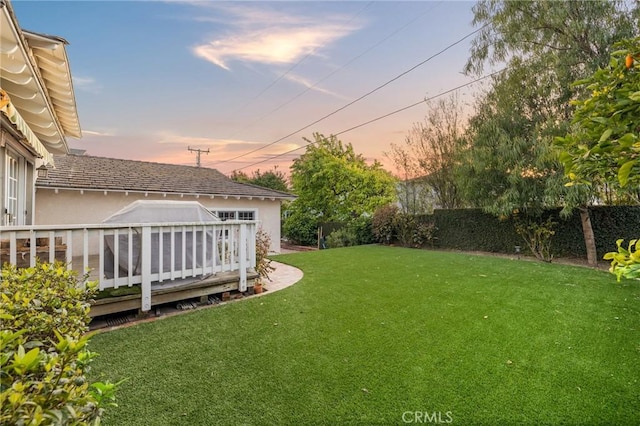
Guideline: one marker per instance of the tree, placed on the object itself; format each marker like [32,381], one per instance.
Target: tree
[333,183]
[603,144]
[511,164]
[272,179]
[428,159]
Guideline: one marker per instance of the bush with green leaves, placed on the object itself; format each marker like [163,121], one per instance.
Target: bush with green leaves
[363,230]
[43,349]
[537,235]
[301,228]
[384,225]
[626,261]
[345,237]
[413,232]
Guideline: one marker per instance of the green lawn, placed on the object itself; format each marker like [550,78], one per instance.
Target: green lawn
[374,333]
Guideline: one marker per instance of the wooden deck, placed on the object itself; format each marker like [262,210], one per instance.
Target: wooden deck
[173,291]
[166,261]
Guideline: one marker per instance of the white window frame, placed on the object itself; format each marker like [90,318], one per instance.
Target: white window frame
[236,213]
[15,189]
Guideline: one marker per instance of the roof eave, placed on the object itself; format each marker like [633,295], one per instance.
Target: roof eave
[274,197]
[60,146]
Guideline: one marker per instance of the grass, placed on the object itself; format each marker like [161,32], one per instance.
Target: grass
[372,333]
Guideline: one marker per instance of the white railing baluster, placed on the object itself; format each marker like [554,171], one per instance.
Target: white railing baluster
[184,251]
[224,248]
[130,257]
[116,257]
[52,246]
[145,253]
[101,259]
[243,258]
[173,253]
[85,250]
[194,252]
[214,250]
[204,250]
[13,252]
[160,253]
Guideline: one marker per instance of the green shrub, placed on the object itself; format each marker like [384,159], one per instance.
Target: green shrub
[625,262]
[413,232]
[301,228]
[384,224]
[344,237]
[425,233]
[362,227]
[537,235]
[44,355]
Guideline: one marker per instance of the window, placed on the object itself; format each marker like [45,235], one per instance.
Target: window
[11,202]
[246,215]
[236,214]
[226,215]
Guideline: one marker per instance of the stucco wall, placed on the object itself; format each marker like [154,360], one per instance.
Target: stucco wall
[91,207]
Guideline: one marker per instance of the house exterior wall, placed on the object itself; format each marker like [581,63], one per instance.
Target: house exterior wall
[92,207]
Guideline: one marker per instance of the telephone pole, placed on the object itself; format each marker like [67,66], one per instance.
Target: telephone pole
[198,152]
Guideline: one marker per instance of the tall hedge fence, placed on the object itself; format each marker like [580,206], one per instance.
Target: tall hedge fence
[474,230]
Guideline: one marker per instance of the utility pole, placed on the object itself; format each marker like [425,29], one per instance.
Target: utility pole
[198,152]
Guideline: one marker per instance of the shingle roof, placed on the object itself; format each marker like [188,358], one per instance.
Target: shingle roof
[99,173]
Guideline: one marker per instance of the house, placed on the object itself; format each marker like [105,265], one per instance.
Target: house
[98,187]
[52,203]
[37,112]
[416,196]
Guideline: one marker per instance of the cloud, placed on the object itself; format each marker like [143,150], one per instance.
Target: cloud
[88,84]
[215,144]
[271,37]
[230,147]
[96,133]
[312,86]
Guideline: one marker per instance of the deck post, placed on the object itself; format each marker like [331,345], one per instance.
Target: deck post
[242,261]
[145,262]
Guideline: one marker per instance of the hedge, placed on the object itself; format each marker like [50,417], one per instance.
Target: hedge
[474,230]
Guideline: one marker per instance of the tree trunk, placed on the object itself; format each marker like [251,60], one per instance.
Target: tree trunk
[589,238]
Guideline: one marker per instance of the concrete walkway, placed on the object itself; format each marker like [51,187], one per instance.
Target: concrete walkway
[282,277]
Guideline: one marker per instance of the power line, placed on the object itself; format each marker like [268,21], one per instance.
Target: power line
[332,73]
[358,99]
[294,66]
[378,118]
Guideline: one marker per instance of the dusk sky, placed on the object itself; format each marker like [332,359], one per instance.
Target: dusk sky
[154,78]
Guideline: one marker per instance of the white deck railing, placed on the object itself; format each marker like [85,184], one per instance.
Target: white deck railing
[119,255]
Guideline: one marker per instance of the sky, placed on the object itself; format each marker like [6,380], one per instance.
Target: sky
[248,81]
